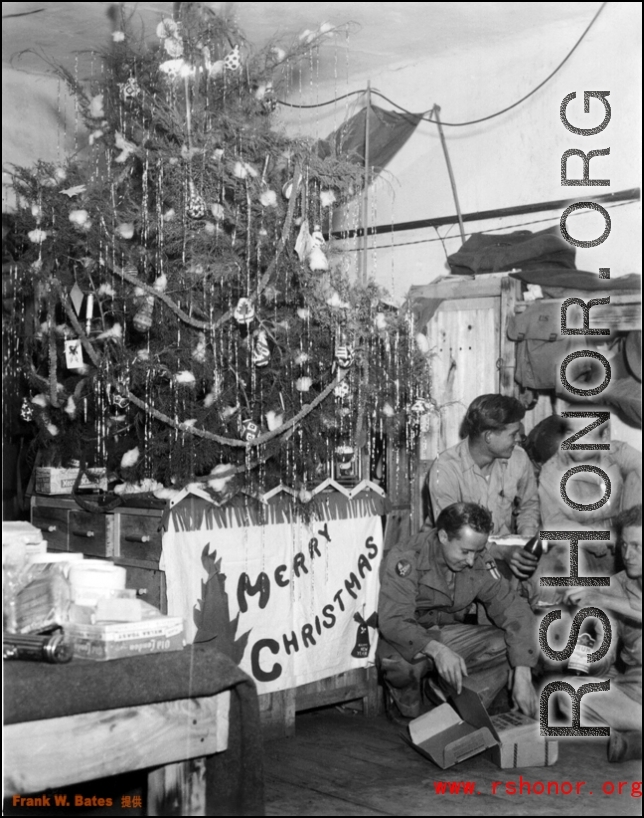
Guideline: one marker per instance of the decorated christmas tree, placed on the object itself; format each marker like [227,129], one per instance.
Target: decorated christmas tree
[180,311]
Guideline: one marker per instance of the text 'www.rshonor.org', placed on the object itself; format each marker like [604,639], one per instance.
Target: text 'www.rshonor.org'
[525,787]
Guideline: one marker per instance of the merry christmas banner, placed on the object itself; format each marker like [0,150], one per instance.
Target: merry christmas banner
[291,602]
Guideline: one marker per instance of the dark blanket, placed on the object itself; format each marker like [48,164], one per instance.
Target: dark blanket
[34,690]
[523,250]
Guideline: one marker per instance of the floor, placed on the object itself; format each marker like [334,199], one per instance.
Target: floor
[340,763]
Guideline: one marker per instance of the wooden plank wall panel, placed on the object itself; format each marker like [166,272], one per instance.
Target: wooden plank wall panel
[464,340]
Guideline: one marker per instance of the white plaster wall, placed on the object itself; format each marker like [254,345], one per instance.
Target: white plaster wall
[511,160]
[38,122]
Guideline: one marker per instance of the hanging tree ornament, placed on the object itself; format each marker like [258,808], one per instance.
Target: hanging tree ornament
[142,320]
[26,410]
[345,356]
[244,312]
[232,60]
[130,89]
[421,406]
[342,390]
[261,350]
[249,430]
[317,260]
[195,204]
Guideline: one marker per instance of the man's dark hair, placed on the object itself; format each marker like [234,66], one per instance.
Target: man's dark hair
[453,518]
[491,412]
[630,516]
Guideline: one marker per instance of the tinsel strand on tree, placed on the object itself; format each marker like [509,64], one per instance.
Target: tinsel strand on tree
[184,315]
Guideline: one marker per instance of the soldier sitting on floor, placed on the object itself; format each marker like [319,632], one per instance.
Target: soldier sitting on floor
[428,587]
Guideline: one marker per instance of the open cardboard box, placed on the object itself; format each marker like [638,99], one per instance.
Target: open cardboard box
[461,729]
[453,732]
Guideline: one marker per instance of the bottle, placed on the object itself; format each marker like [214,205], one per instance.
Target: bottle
[578,661]
[534,546]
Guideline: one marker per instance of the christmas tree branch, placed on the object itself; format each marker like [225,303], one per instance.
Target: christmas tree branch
[126,274]
[231,441]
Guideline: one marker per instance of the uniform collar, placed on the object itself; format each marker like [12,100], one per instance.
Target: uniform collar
[468,464]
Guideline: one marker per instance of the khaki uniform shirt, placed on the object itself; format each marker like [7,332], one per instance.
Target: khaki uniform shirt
[415,600]
[455,478]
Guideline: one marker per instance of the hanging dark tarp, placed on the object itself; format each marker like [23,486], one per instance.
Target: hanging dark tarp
[388,132]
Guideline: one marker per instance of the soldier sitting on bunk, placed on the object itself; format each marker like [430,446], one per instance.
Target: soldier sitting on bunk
[428,586]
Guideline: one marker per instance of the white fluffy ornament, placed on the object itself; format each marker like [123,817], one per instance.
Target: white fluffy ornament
[125,230]
[274,420]
[217,211]
[268,198]
[185,378]
[199,352]
[130,458]
[70,408]
[327,198]
[303,384]
[96,110]
[422,343]
[40,400]
[115,332]
[380,321]
[52,429]
[79,217]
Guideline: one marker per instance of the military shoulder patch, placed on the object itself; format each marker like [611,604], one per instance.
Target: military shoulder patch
[491,567]
[403,568]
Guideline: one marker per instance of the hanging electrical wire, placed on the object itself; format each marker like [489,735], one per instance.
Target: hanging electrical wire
[469,122]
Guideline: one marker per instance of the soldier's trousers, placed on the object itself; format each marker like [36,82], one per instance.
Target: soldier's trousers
[482,647]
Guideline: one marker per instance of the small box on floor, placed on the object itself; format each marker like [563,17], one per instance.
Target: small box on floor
[453,732]
[118,640]
[521,744]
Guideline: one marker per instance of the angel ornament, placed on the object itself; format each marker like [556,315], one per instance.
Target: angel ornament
[317,260]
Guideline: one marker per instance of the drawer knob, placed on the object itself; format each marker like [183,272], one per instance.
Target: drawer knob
[142,538]
[88,534]
[141,591]
[48,528]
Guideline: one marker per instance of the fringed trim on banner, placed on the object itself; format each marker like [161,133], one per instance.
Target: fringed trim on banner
[196,514]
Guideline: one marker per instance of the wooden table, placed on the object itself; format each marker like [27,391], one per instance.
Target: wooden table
[171,739]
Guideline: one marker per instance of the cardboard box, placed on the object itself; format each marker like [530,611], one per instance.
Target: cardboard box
[453,732]
[521,744]
[50,480]
[122,639]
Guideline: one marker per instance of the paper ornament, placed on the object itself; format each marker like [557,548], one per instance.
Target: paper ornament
[249,430]
[261,351]
[244,312]
[232,61]
[73,354]
[195,204]
[345,356]
[143,319]
[130,89]
[303,243]
[421,406]
[26,411]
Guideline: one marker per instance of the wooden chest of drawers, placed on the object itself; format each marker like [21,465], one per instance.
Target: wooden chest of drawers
[130,537]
